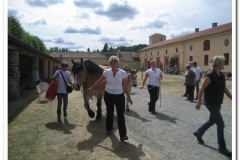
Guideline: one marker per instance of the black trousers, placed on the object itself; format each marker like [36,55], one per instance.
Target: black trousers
[119,101]
[190,91]
[154,94]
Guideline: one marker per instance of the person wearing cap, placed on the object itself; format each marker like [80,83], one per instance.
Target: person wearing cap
[214,87]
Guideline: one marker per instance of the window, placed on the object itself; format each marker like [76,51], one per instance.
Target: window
[205,60]
[158,53]
[190,58]
[176,49]
[166,51]
[206,45]
[226,55]
[191,47]
[151,53]
[226,42]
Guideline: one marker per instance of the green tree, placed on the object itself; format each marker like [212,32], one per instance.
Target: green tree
[88,50]
[15,28]
[105,47]
[171,62]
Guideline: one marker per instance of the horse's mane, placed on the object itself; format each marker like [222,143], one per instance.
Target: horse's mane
[90,66]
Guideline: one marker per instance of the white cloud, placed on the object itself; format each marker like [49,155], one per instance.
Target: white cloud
[92,23]
[181,32]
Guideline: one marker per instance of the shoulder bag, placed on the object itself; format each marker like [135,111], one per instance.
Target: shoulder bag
[68,87]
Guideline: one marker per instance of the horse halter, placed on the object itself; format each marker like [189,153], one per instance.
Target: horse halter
[78,79]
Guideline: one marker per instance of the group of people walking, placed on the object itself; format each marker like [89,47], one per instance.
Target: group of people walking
[213,89]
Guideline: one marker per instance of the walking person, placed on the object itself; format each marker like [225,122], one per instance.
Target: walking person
[199,74]
[153,75]
[114,95]
[190,63]
[190,82]
[214,87]
[62,94]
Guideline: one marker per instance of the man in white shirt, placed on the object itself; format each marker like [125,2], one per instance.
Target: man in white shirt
[199,74]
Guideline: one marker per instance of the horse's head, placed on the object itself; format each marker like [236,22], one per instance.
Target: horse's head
[133,73]
[79,72]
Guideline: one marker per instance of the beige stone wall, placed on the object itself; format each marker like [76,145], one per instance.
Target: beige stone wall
[68,60]
[217,47]
[130,64]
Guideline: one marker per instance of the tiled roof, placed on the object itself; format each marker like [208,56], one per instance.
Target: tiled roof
[125,56]
[84,55]
[215,30]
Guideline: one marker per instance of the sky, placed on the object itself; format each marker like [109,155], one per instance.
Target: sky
[83,24]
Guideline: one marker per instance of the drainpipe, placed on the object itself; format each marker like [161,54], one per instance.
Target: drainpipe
[183,56]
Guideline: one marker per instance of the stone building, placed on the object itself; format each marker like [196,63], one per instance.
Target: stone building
[96,57]
[200,46]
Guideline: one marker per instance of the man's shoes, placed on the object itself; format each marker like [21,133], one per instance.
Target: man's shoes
[199,138]
[191,100]
[196,98]
[187,99]
[225,152]
[123,138]
[65,113]
[184,95]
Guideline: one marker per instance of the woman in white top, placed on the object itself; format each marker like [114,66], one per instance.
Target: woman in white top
[114,95]
[153,75]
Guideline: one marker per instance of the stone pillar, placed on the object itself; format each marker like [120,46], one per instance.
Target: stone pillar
[50,68]
[13,74]
[45,67]
[34,69]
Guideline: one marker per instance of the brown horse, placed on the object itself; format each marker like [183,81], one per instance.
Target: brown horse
[131,82]
[86,73]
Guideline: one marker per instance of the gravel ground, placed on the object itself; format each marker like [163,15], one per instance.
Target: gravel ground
[169,133]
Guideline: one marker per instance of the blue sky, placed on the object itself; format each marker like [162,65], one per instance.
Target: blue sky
[82,24]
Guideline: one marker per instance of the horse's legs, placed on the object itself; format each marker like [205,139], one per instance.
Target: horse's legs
[91,114]
[99,109]
[127,106]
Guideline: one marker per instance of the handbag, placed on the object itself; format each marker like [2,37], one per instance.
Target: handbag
[68,87]
[52,90]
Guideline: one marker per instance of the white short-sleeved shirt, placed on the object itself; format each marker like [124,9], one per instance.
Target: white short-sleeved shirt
[197,71]
[114,84]
[61,85]
[154,76]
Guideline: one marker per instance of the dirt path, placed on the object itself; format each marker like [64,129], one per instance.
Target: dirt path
[36,134]
[169,132]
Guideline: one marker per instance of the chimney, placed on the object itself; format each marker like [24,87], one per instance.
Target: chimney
[214,24]
[61,58]
[196,29]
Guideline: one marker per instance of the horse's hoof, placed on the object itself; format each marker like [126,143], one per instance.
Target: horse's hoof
[98,117]
[91,114]
[128,109]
